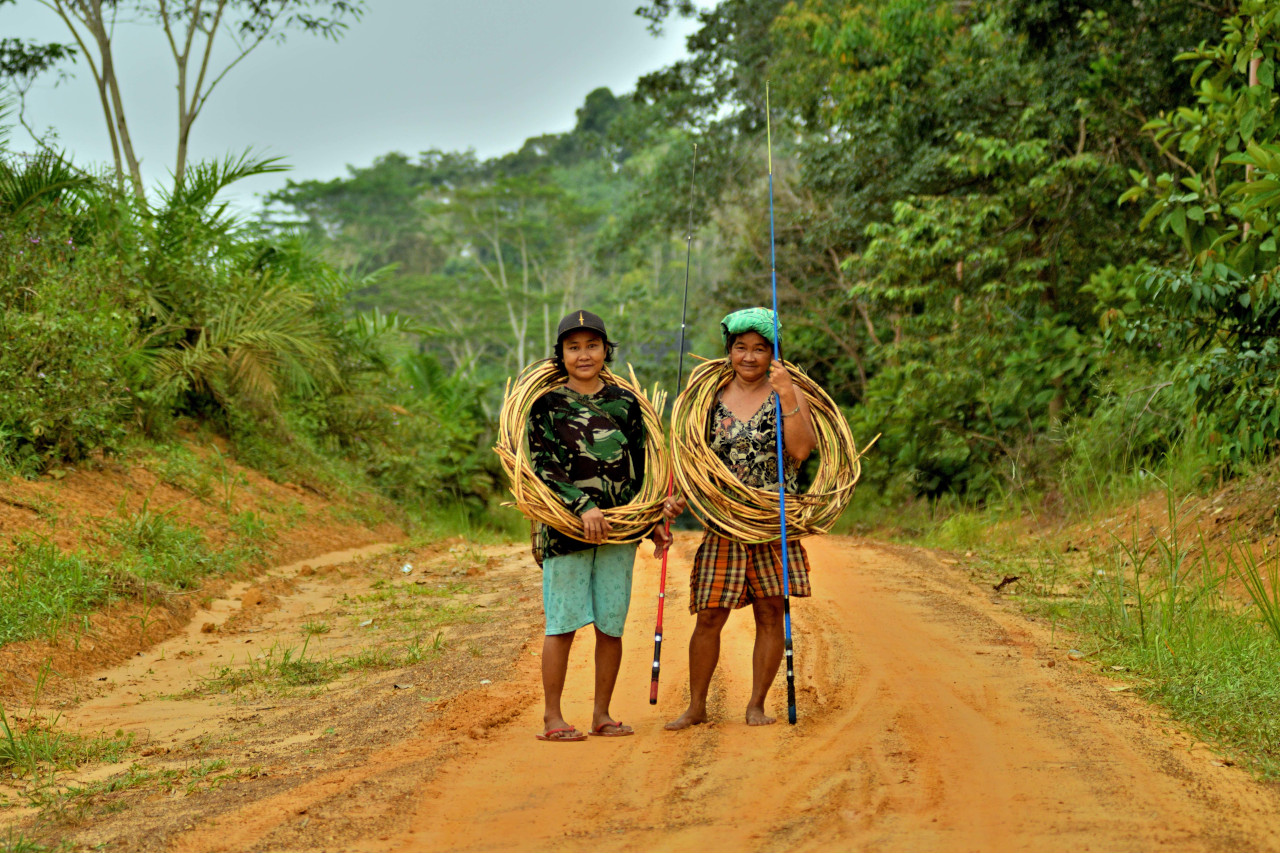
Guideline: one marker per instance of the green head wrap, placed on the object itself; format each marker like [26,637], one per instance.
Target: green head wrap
[748,320]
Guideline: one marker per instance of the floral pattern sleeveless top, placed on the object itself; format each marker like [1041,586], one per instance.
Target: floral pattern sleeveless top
[749,448]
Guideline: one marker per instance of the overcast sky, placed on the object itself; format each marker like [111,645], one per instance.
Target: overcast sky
[412,75]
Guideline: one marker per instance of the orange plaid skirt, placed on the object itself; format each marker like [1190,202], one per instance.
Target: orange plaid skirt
[729,574]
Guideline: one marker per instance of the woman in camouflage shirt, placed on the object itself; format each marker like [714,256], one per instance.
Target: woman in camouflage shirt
[587,443]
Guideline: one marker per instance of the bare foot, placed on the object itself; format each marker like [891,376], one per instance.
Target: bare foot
[688,719]
[611,728]
[556,722]
[757,717]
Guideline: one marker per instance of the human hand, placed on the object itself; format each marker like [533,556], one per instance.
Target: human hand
[780,378]
[595,528]
[662,539]
[673,506]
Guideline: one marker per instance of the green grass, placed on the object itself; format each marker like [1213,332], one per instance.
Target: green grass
[283,668]
[17,841]
[492,525]
[143,554]
[1261,580]
[44,589]
[1158,608]
[75,804]
[43,747]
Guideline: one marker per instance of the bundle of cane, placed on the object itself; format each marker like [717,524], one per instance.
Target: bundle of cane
[748,514]
[630,522]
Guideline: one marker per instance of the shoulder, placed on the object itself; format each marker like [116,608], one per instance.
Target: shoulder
[617,392]
[623,400]
[551,402]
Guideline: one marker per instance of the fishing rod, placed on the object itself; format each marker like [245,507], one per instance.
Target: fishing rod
[777,398]
[666,523]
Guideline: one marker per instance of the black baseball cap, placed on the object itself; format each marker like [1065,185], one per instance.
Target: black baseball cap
[580,319]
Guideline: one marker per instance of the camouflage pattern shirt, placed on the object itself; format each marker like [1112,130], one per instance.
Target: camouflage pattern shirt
[589,448]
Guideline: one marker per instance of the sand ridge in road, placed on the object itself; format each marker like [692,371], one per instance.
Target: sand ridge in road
[929,721]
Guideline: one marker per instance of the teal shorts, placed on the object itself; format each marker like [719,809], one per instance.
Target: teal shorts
[590,586]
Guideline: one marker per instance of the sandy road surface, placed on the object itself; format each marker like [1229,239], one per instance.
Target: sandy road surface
[930,719]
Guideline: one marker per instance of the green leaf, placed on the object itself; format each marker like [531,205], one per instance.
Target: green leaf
[1248,122]
[1267,74]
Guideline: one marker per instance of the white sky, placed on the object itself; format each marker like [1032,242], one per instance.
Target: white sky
[412,75]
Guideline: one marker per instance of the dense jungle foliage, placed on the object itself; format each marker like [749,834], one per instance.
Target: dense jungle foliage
[1032,243]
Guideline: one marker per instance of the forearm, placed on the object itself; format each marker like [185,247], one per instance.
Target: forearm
[798,435]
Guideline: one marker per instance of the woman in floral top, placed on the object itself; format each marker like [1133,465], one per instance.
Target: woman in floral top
[728,574]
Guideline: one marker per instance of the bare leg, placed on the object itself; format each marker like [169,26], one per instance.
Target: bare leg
[765,657]
[555,664]
[608,660]
[704,653]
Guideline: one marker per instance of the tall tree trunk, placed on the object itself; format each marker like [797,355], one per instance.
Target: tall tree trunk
[98,27]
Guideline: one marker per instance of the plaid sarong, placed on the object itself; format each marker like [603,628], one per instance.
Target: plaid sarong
[729,574]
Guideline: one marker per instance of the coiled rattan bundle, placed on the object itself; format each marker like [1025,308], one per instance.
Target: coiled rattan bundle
[744,513]
[630,522]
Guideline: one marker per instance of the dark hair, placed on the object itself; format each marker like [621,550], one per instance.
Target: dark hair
[558,357]
[734,336]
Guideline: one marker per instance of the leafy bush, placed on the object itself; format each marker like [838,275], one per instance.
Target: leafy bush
[1215,334]
[68,346]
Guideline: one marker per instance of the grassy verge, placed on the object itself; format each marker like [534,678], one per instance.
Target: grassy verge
[72,805]
[144,555]
[1194,627]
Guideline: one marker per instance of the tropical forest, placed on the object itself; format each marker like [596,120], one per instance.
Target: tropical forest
[264,585]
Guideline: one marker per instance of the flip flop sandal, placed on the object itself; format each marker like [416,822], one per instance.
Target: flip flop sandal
[551,735]
[618,733]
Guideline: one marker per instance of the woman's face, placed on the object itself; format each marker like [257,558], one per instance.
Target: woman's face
[750,355]
[583,355]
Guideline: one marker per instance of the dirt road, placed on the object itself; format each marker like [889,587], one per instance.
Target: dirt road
[930,719]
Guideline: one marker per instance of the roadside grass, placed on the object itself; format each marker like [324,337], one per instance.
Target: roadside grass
[43,589]
[282,668]
[73,804]
[143,555]
[1160,612]
[492,525]
[208,477]
[327,474]
[40,747]
[32,746]
[401,624]
[17,841]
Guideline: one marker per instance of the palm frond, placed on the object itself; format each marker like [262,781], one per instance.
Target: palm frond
[45,177]
[205,179]
[262,341]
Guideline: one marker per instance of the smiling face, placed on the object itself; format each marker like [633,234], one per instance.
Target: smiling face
[584,353]
[750,354]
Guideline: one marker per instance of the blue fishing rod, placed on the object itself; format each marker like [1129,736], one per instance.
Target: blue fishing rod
[777,399]
[684,310]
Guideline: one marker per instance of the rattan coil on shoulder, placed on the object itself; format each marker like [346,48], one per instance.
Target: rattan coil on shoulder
[744,513]
[630,522]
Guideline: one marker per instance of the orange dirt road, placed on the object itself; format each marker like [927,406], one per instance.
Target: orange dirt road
[929,720]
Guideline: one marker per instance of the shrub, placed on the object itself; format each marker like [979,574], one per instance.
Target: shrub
[68,345]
